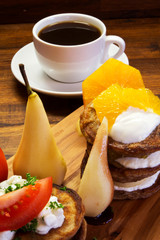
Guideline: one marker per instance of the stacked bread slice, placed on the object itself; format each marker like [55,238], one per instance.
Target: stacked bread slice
[135,167]
[131,182]
[109,92]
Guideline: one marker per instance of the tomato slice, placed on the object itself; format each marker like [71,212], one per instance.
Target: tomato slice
[19,207]
[3,167]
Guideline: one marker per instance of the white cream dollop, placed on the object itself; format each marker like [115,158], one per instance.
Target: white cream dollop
[134,125]
[11,182]
[152,160]
[139,185]
[49,218]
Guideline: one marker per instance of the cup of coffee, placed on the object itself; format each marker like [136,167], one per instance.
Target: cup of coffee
[70,46]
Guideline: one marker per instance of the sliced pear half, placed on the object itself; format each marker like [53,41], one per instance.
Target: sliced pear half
[96,186]
[37,152]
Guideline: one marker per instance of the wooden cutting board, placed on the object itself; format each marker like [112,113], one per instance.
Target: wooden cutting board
[133,219]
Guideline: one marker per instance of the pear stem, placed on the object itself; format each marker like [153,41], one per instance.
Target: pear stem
[23,72]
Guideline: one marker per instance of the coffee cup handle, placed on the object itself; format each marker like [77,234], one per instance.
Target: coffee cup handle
[112,39]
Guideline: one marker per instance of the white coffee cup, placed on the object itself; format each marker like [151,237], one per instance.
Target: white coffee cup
[73,63]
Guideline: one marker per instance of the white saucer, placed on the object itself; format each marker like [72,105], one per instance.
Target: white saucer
[39,81]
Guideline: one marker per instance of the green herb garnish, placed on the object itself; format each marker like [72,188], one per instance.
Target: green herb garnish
[18,186]
[30,227]
[55,204]
[9,189]
[30,180]
[64,189]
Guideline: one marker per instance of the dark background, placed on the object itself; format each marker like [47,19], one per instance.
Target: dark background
[28,11]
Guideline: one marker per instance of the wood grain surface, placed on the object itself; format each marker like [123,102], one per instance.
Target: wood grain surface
[133,219]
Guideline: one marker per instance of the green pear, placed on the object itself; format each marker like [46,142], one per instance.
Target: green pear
[96,186]
[38,153]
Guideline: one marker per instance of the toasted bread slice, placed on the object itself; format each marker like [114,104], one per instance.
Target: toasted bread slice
[122,174]
[74,218]
[89,124]
[138,194]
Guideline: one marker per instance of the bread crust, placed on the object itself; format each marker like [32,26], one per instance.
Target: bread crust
[82,232]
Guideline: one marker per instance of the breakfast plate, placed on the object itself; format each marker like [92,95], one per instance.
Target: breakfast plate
[130,217]
[41,82]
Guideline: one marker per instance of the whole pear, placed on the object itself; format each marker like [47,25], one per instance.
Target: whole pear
[96,186]
[38,153]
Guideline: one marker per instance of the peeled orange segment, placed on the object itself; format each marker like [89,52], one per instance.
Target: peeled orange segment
[111,72]
[113,101]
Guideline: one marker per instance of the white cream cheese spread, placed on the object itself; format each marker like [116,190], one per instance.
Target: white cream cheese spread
[47,219]
[134,125]
[139,185]
[152,160]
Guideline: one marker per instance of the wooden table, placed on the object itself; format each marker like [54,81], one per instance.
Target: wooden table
[142,37]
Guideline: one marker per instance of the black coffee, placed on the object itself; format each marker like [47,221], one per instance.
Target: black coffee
[69,33]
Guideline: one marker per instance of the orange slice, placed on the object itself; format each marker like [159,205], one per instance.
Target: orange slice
[113,101]
[111,72]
